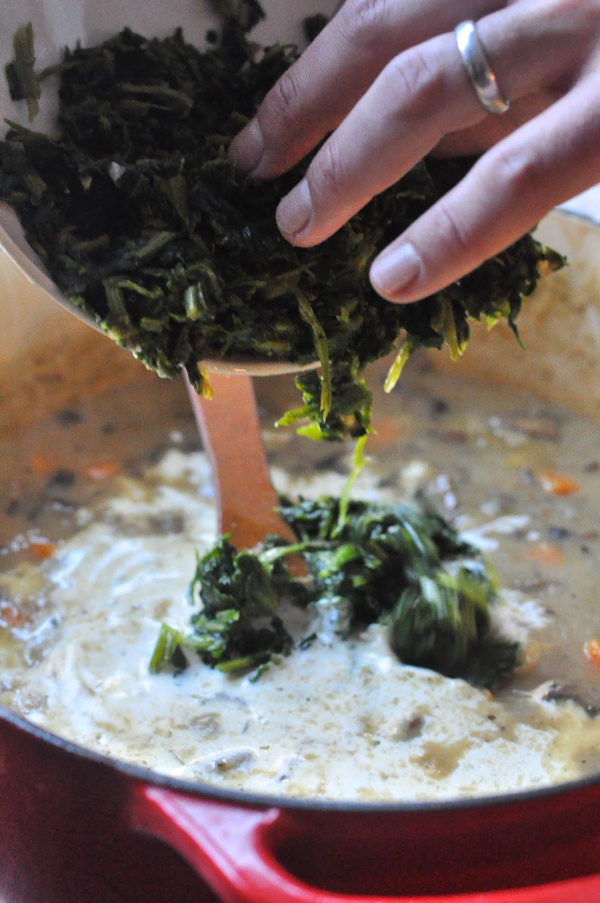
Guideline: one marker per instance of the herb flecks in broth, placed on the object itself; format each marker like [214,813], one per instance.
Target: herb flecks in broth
[142,220]
[394,564]
[338,718]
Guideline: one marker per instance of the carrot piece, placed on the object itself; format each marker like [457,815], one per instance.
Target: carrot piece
[40,464]
[557,483]
[102,471]
[545,553]
[41,548]
[10,616]
[591,650]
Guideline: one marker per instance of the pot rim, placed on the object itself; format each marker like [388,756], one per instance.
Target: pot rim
[248,799]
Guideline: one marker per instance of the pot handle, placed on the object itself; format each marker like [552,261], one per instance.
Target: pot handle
[231,848]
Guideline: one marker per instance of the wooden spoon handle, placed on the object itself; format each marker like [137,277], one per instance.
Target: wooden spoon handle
[230,431]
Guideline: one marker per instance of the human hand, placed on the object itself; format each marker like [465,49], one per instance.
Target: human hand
[386,82]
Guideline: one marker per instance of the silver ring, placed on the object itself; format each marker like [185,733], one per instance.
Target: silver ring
[482,78]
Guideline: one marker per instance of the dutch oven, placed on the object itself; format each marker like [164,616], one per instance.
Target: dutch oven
[79,827]
[76,827]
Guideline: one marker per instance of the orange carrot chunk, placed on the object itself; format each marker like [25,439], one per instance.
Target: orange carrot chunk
[41,464]
[41,548]
[102,471]
[557,483]
[591,650]
[545,553]
[10,616]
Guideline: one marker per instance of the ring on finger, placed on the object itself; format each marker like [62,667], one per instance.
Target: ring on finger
[480,72]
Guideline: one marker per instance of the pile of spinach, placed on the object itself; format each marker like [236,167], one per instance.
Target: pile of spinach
[142,220]
[398,565]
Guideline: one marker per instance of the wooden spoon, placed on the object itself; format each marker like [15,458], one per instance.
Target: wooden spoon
[230,431]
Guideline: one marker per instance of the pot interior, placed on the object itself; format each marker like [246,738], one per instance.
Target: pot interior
[81,421]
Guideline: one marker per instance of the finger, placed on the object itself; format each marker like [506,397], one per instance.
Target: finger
[381,139]
[547,161]
[474,141]
[335,70]
[421,96]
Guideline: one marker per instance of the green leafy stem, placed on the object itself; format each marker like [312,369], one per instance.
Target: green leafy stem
[397,565]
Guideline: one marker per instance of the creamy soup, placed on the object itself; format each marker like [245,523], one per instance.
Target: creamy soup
[107,501]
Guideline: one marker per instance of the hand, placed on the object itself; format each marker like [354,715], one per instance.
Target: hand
[386,82]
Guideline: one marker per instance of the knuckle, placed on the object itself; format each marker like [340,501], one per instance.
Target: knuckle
[282,106]
[363,21]
[414,79]
[518,171]
[326,174]
[584,16]
[448,225]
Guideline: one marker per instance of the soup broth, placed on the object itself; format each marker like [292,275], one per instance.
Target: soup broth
[107,500]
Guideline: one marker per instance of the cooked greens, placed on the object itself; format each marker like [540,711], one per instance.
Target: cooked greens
[23,82]
[396,564]
[143,221]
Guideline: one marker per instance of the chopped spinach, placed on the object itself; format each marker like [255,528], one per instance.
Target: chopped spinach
[396,564]
[142,221]
[23,82]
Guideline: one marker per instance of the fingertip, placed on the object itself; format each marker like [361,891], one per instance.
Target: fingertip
[396,272]
[294,214]
[247,148]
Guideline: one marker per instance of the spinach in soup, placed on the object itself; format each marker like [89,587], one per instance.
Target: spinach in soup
[397,564]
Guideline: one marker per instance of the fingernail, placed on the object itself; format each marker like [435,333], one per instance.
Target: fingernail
[394,270]
[295,210]
[247,147]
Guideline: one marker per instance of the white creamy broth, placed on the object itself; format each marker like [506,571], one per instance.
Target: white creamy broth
[339,719]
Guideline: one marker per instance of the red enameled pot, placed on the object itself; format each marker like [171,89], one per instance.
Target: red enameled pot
[79,828]
[76,827]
